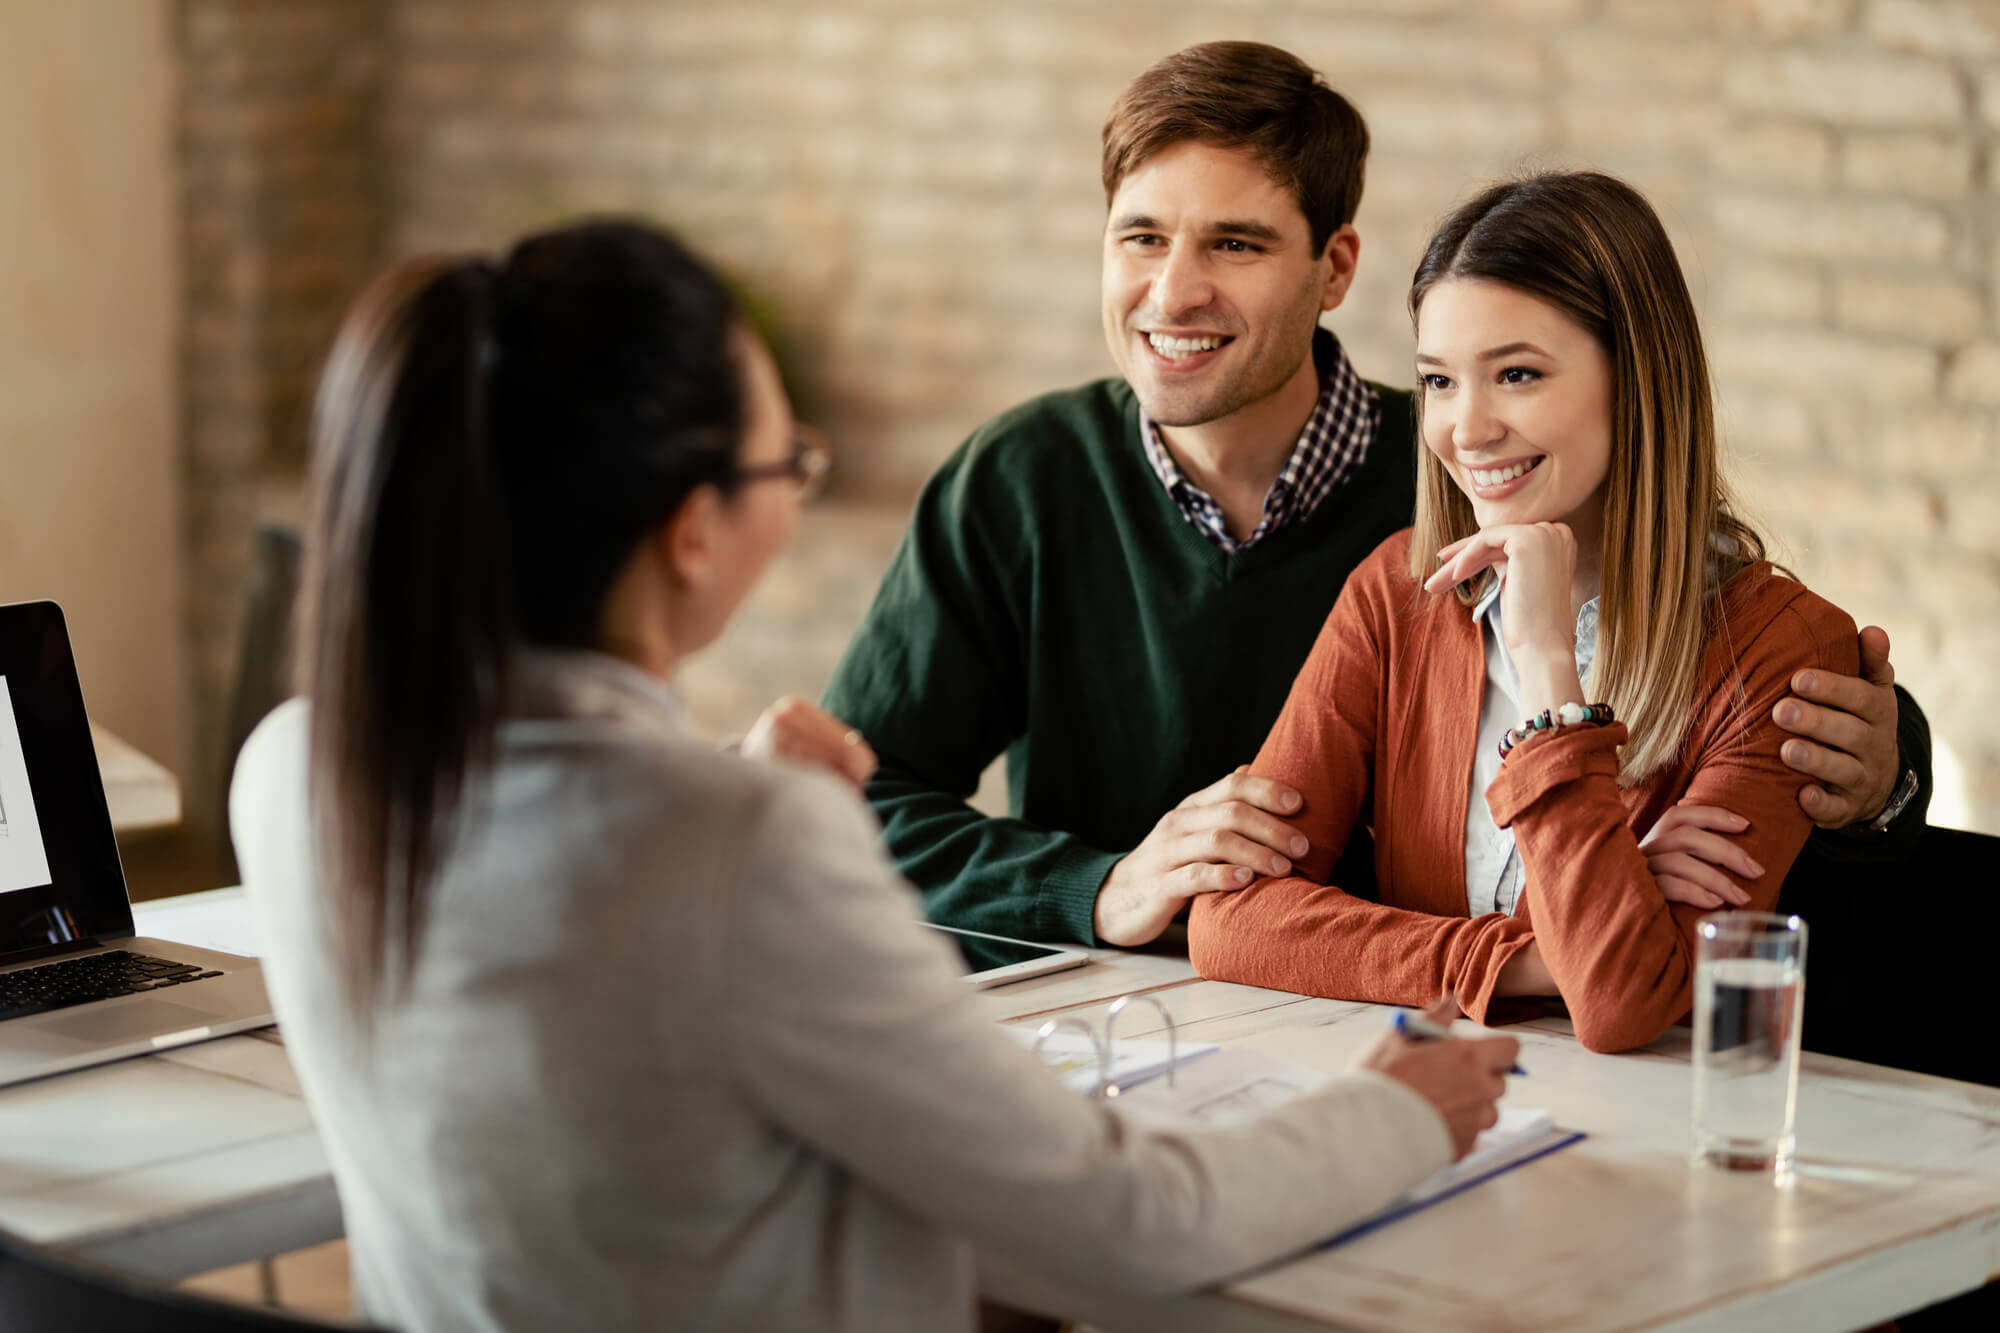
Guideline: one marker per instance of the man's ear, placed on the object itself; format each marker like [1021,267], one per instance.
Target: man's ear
[1343,252]
[687,540]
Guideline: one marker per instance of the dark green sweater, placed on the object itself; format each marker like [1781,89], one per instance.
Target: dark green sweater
[1049,600]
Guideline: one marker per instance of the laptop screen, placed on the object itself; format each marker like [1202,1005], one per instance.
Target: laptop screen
[60,880]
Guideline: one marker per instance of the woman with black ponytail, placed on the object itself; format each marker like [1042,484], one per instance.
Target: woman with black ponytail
[605,1028]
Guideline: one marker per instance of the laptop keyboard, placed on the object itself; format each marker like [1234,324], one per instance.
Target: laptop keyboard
[98,976]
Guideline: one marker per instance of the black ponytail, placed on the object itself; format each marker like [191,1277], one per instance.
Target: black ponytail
[489,447]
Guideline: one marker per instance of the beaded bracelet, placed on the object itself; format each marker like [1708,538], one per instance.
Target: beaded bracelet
[1569,715]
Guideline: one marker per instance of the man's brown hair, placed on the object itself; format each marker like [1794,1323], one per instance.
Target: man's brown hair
[1253,97]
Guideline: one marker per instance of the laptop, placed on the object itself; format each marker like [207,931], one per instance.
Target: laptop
[77,987]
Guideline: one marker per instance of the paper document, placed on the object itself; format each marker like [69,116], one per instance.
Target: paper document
[1520,1137]
[1233,1085]
[218,919]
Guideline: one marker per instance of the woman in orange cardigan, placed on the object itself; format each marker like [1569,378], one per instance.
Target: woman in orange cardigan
[1571,527]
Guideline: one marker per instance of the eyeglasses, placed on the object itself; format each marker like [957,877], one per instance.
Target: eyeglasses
[811,457]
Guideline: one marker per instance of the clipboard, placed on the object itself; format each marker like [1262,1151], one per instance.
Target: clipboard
[1531,1137]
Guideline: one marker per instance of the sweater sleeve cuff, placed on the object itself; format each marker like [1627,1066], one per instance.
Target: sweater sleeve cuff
[1068,906]
[1509,936]
[1549,759]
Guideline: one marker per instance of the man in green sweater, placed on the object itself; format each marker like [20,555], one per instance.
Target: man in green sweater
[1116,584]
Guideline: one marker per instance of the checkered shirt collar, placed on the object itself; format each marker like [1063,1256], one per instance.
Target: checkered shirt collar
[1332,445]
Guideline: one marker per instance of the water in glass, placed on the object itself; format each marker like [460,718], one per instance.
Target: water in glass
[1746,1061]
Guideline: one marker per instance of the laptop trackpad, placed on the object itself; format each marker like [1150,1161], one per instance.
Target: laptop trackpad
[126,1022]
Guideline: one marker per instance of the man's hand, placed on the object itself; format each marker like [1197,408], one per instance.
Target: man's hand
[1217,840]
[1847,727]
[806,734]
[1462,1078]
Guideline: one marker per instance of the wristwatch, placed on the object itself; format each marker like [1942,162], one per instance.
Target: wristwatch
[1899,800]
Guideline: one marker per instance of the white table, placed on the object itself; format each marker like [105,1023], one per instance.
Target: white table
[140,792]
[206,1156]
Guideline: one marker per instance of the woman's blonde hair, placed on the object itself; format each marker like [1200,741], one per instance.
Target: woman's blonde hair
[1592,247]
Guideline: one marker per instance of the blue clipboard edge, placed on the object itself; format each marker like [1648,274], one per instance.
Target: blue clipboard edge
[1381,1220]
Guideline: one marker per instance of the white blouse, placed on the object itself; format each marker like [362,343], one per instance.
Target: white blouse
[1493,874]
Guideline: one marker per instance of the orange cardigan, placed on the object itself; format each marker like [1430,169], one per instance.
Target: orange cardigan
[1380,727]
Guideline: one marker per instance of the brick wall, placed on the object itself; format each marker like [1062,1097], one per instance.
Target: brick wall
[910,189]
[280,221]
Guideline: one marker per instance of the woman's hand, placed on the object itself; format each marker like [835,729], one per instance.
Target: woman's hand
[1537,565]
[1687,855]
[807,734]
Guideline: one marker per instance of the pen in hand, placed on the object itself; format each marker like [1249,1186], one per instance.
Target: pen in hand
[1415,1027]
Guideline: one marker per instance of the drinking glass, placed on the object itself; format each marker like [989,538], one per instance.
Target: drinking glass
[1749,992]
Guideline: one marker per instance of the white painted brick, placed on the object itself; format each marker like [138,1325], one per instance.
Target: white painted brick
[1539,11]
[1627,62]
[1763,423]
[1427,120]
[837,36]
[1993,280]
[721,32]
[1931,440]
[1604,123]
[1989,99]
[1972,515]
[1813,227]
[595,31]
[923,109]
[1865,503]
[1932,166]
[1791,18]
[1098,41]
[1940,311]
[1761,291]
[1952,28]
[1951,588]
[1870,89]
[1868,581]
[1975,375]
[1812,361]
[1354,51]
[933,46]
[1775,153]
[1017,104]
[1670,16]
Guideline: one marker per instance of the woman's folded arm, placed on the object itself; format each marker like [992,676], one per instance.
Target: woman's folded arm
[1623,956]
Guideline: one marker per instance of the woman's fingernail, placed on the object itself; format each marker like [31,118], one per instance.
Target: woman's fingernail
[1300,846]
[1788,714]
[1756,871]
[1279,865]
[1243,874]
